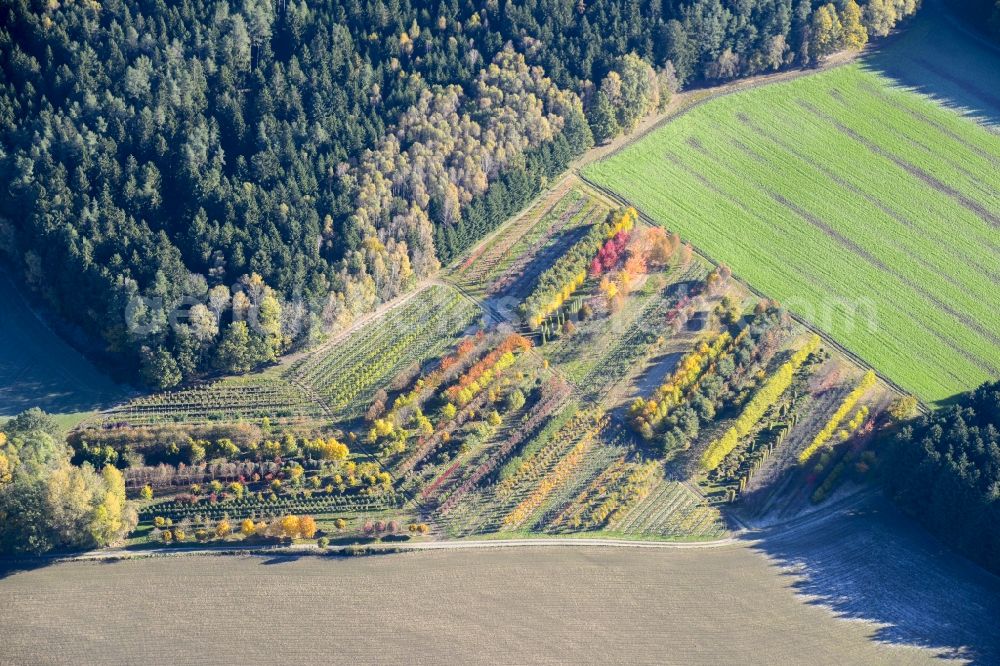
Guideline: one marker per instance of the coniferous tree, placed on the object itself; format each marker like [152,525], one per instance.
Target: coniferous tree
[603,120]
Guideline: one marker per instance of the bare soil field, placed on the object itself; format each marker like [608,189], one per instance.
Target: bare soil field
[910,602]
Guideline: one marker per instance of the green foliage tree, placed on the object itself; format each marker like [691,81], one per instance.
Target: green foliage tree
[515,400]
[640,91]
[159,368]
[603,120]
[944,469]
[31,420]
[880,16]
[234,353]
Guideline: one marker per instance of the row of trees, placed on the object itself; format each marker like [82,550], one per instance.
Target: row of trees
[710,380]
[46,503]
[558,282]
[944,468]
[753,411]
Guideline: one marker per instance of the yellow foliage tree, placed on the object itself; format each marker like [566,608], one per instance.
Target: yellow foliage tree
[289,526]
[827,31]
[6,473]
[223,529]
[334,450]
[824,435]
[855,35]
[112,518]
[307,527]
[766,396]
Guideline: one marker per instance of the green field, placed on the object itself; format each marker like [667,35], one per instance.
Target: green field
[38,369]
[867,208]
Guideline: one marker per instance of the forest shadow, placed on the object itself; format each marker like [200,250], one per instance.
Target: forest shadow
[39,369]
[874,564]
[939,56]
[51,396]
[9,567]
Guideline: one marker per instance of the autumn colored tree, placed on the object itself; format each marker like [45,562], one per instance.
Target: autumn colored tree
[827,33]
[307,527]
[289,526]
[855,35]
[223,529]
[903,408]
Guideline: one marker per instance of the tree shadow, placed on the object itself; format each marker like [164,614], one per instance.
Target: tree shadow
[9,567]
[525,283]
[941,57]
[874,564]
[282,558]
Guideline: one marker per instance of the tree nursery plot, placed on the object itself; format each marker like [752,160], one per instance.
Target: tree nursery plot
[868,209]
[634,393]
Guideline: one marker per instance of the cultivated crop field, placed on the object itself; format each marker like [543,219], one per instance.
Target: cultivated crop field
[869,210]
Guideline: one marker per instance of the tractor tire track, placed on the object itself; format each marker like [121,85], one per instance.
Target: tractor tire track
[866,255]
[874,201]
[912,169]
[855,248]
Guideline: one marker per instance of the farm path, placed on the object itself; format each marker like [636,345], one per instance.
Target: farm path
[746,535]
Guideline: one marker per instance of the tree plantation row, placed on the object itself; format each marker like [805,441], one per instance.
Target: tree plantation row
[430,414]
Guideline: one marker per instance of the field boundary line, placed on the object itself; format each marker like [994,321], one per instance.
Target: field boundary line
[746,536]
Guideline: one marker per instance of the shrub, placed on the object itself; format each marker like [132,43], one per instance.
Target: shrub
[223,529]
[307,527]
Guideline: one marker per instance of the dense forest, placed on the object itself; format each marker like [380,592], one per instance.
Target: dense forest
[198,187]
[944,468]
